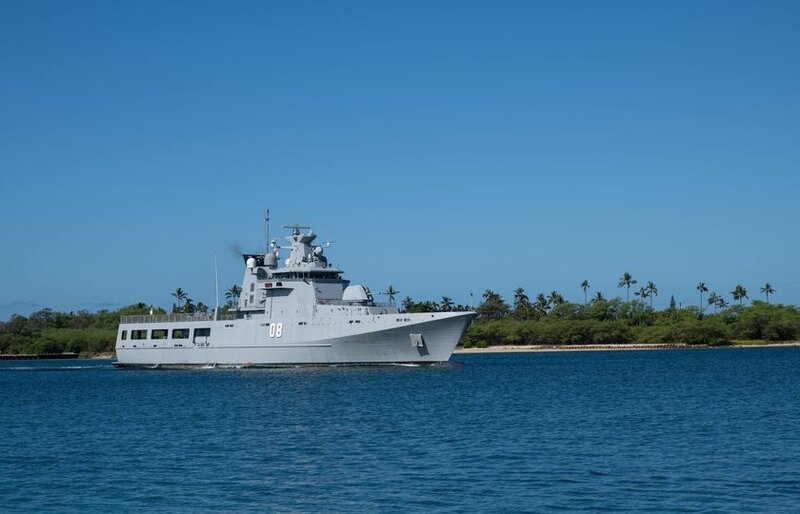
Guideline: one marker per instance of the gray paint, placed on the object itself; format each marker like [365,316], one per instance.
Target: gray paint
[297,317]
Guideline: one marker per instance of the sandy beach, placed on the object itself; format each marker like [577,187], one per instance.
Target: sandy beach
[606,347]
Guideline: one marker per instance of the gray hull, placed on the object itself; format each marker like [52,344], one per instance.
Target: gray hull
[369,339]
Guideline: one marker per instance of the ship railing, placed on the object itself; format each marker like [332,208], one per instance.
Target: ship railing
[322,301]
[172,318]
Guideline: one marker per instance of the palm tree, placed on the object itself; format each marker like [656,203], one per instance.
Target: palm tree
[493,305]
[447,304]
[626,281]
[232,294]
[739,293]
[408,303]
[555,298]
[598,297]
[391,292]
[585,286]
[180,295]
[490,295]
[189,306]
[541,304]
[713,299]
[642,292]
[767,290]
[703,289]
[652,291]
[721,303]
[522,303]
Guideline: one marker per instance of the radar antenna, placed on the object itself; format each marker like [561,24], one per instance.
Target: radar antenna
[296,228]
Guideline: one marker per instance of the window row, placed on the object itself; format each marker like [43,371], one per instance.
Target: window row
[162,333]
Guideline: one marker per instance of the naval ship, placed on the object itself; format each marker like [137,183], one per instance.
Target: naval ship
[298,312]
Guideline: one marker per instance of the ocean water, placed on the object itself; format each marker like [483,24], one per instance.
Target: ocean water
[678,431]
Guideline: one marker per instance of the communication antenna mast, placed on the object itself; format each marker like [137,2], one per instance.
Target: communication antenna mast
[266,230]
[216,286]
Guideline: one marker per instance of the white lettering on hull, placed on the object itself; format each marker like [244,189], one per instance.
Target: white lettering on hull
[276,329]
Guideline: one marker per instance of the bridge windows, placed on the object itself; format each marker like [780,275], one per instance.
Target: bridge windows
[300,275]
[138,334]
[124,335]
[159,333]
[180,333]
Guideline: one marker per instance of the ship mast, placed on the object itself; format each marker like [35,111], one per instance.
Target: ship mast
[216,286]
[266,231]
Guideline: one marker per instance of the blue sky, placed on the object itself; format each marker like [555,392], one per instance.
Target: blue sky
[447,147]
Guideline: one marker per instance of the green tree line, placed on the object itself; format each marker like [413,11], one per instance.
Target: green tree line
[604,321]
[546,319]
[85,332]
[48,331]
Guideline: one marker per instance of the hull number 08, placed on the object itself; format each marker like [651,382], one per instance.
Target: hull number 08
[275,329]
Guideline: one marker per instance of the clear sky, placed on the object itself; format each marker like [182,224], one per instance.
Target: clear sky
[446,147]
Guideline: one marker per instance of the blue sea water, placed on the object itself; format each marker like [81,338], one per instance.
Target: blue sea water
[679,431]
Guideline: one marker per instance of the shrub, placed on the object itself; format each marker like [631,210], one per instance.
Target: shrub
[711,332]
[770,322]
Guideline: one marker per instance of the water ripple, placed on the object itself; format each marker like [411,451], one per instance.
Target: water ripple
[598,432]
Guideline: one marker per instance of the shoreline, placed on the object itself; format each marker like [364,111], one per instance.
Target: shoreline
[610,347]
[627,347]
[103,355]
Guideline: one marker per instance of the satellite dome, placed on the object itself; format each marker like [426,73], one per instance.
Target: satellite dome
[356,293]
[251,263]
[270,260]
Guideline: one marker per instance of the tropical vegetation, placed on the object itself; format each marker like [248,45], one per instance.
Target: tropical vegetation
[546,319]
[617,321]
[550,320]
[48,331]
[85,332]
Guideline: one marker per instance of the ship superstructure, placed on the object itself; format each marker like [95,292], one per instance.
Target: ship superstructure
[296,312]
